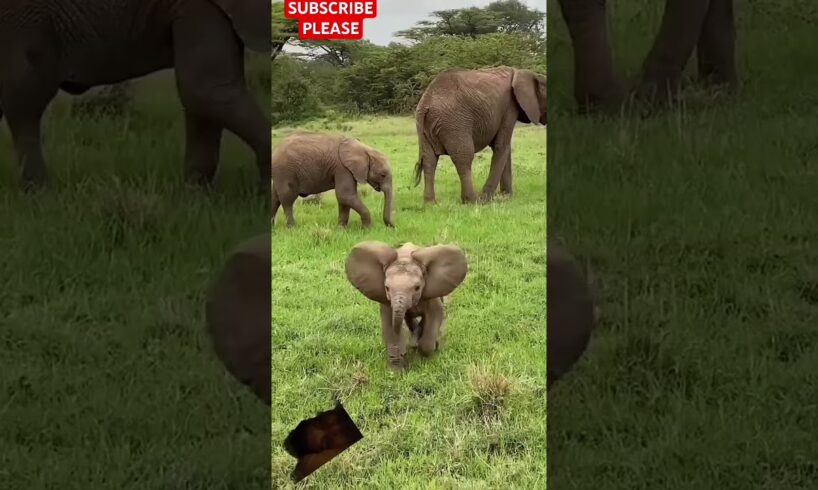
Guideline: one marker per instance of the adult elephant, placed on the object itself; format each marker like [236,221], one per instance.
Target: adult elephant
[706,26]
[49,45]
[463,111]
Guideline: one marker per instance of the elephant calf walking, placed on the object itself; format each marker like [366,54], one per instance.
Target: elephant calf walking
[304,164]
[464,111]
[409,284]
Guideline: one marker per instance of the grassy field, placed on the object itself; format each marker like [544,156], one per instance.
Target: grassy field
[472,416]
[701,226]
[106,377]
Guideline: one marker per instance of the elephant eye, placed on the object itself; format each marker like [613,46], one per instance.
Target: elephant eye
[387,289]
[417,288]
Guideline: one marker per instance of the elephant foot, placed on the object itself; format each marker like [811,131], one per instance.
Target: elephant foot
[33,186]
[485,198]
[290,225]
[33,180]
[397,366]
[389,224]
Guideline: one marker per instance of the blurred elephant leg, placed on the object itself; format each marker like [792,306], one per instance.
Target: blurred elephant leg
[286,199]
[275,204]
[24,98]
[505,179]
[343,214]
[202,151]
[595,85]
[209,63]
[716,51]
[662,70]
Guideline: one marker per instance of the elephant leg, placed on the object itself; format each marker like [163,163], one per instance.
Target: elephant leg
[595,85]
[500,159]
[202,151]
[276,203]
[395,349]
[433,317]
[343,214]
[662,70]
[463,163]
[346,191]
[429,169]
[209,61]
[716,51]
[354,202]
[24,96]
[287,200]
[505,179]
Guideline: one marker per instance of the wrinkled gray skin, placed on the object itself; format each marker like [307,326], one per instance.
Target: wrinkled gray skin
[570,313]
[74,45]
[409,283]
[304,164]
[706,26]
[464,111]
[238,315]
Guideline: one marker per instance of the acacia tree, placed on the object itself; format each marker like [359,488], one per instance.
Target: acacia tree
[500,16]
[283,29]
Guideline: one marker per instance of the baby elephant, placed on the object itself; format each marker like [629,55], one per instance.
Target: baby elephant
[311,163]
[409,283]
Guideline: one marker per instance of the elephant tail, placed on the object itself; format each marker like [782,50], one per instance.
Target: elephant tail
[423,141]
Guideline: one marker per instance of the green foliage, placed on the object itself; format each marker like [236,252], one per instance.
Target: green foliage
[283,29]
[357,77]
[293,96]
[390,79]
[500,16]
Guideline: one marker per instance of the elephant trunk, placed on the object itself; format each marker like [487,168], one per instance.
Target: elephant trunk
[399,306]
[388,204]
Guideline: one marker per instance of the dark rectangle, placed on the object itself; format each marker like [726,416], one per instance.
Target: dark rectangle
[697,220]
[109,112]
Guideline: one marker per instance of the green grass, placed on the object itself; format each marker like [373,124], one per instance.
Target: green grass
[107,378]
[473,415]
[701,225]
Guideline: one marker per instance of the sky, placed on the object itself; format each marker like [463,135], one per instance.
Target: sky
[395,15]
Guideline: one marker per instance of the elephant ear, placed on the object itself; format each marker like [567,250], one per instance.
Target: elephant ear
[365,268]
[525,85]
[445,269]
[251,20]
[355,157]
[238,315]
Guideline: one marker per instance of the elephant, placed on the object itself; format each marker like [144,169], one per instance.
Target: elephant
[49,46]
[463,111]
[706,26]
[237,314]
[305,163]
[570,313]
[409,284]
[317,440]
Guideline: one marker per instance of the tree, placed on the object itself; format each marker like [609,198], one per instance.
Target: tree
[501,16]
[337,53]
[283,29]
